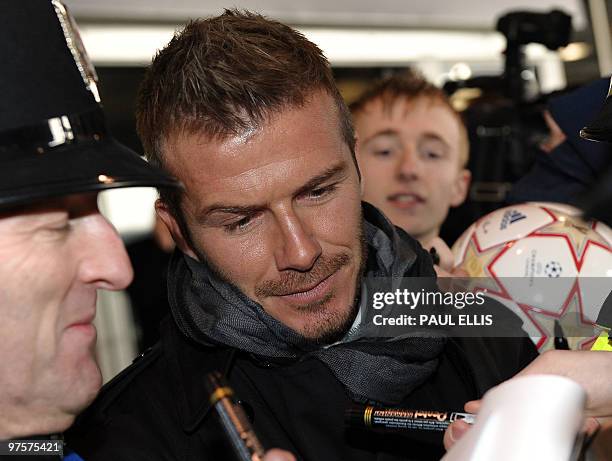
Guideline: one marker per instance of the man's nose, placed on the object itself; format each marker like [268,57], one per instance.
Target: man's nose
[105,262]
[409,166]
[297,248]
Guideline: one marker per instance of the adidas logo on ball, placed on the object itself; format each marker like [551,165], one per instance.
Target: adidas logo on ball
[510,217]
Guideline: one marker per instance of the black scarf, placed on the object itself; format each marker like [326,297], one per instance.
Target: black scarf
[211,311]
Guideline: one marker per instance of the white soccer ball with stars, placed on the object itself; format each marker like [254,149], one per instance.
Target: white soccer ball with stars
[546,264]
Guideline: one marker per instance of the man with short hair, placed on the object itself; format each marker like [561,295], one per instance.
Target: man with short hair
[412,148]
[56,249]
[268,283]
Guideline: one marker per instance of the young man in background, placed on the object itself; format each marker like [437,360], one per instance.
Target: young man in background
[412,149]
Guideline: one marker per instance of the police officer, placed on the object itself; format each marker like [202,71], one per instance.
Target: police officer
[56,249]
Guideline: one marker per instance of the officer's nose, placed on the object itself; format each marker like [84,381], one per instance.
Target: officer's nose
[104,262]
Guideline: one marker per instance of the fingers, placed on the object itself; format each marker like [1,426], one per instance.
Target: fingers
[442,273]
[556,134]
[460,273]
[278,455]
[591,426]
[473,406]
[454,432]
[444,252]
[458,428]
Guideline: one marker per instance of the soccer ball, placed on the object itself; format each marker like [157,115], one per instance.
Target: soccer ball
[546,264]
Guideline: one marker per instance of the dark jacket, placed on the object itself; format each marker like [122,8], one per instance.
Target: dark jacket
[158,409]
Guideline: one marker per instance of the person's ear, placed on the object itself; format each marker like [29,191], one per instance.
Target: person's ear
[175,229]
[461,187]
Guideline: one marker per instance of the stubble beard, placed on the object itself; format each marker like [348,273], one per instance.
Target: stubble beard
[324,326]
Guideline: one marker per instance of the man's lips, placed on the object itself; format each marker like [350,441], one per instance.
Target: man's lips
[83,321]
[312,293]
[405,200]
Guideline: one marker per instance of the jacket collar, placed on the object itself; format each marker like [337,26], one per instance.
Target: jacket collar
[189,363]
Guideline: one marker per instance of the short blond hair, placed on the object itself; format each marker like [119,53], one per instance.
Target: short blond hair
[411,85]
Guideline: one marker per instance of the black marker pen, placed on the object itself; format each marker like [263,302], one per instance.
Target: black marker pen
[560,341]
[383,419]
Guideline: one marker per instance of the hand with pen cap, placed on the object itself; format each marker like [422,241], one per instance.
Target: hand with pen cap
[591,369]
[443,259]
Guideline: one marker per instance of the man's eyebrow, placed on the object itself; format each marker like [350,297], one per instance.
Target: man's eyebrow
[333,172]
[430,135]
[230,209]
[387,132]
